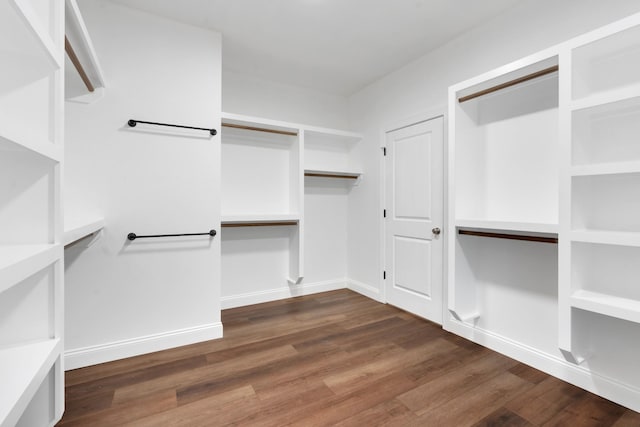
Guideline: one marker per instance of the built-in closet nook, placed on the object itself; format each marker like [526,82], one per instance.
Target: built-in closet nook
[144,188]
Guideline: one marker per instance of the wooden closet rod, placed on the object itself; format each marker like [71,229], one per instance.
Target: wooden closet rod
[326,175]
[76,63]
[553,240]
[280,132]
[259,224]
[510,83]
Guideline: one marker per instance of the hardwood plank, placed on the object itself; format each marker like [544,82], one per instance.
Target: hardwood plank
[503,417]
[469,406]
[327,359]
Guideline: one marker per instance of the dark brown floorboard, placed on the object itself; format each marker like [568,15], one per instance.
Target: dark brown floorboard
[335,358]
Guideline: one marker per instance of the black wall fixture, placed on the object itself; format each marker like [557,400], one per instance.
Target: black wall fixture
[134,236]
[133,123]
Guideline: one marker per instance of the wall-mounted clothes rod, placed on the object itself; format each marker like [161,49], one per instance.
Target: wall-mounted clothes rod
[259,224]
[258,129]
[134,236]
[510,83]
[540,239]
[76,63]
[133,123]
[326,175]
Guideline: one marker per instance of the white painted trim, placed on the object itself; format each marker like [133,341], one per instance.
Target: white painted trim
[251,298]
[81,357]
[579,376]
[368,291]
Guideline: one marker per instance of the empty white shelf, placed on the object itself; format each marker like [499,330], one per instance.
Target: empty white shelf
[607,97]
[22,369]
[259,219]
[609,305]
[46,149]
[23,32]
[606,169]
[508,226]
[75,230]
[17,262]
[623,238]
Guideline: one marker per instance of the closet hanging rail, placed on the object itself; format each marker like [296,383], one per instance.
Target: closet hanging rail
[259,224]
[133,123]
[510,83]
[258,129]
[134,236]
[76,63]
[326,175]
[553,240]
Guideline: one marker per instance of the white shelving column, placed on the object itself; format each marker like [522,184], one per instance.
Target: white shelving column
[31,254]
[601,118]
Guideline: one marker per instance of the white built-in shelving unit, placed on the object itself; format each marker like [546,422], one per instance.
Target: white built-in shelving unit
[601,211]
[264,165]
[544,206]
[31,255]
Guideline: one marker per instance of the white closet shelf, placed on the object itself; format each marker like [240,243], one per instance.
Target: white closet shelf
[508,226]
[602,99]
[606,169]
[332,173]
[17,262]
[45,149]
[622,238]
[75,230]
[23,32]
[609,305]
[22,369]
[260,123]
[260,219]
[334,135]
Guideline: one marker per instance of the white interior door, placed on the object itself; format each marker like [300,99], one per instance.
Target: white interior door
[414,218]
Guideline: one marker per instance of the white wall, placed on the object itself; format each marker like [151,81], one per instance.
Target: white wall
[251,96]
[122,297]
[421,86]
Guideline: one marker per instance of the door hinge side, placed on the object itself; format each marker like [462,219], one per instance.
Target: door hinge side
[384,151]
[384,275]
[384,213]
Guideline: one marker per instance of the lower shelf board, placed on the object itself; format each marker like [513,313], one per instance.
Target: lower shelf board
[22,369]
[608,305]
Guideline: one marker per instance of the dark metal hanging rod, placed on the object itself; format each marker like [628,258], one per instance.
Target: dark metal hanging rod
[133,123]
[134,236]
[540,239]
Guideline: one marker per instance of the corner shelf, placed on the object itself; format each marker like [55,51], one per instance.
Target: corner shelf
[17,262]
[19,385]
[608,305]
[76,230]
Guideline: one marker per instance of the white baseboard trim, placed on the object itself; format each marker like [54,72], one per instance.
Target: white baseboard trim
[579,376]
[251,298]
[87,356]
[365,289]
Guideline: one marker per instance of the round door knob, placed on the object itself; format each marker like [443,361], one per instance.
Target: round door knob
[436,231]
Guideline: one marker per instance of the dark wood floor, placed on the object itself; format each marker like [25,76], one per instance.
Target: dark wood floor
[335,358]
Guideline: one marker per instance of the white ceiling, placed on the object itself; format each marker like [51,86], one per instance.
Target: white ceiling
[335,46]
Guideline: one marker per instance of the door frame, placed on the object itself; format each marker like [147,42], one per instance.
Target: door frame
[391,126]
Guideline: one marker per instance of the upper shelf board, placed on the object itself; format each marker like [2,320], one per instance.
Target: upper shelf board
[76,230]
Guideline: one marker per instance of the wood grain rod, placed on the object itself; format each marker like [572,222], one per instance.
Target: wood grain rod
[259,129]
[510,83]
[259,224]
[326,175]
[540,239]
[76,63]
